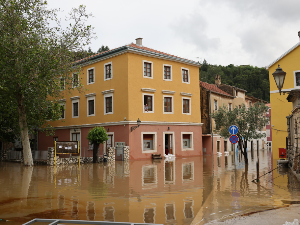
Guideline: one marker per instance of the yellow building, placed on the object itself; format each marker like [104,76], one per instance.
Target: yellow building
[281,108]
[133,83]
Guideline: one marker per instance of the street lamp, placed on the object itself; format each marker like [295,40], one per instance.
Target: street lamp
[279,76]
[138,124]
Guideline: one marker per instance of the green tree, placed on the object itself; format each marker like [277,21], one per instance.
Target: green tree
[97,136]
[103,49]
[36,57]
[248,120]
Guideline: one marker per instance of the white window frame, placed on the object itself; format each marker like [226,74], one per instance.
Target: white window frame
[191,141]
[109,63]
[171,75]
[295,86]
[87,103]
[87,75]
[145,61]
[154,144]
[216,105]
[168,96]
[74,101]
[78,130]
[112,103]
[112,141]
[190,109]
[73,86]
[189,77]
[64,105]
[152,103]
[229,108]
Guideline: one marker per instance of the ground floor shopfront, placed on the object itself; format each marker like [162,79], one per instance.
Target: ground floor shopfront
[180,140]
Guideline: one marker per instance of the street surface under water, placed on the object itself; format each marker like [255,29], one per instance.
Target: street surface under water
[195,190]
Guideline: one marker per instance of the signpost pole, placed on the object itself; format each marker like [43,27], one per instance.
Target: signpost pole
[55,153]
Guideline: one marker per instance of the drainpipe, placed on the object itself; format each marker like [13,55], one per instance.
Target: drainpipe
[212,134]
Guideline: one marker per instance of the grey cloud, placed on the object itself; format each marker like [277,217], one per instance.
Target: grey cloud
[192,29]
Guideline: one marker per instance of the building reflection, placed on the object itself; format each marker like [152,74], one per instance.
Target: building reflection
[149,215]
[109,213]
[90,211]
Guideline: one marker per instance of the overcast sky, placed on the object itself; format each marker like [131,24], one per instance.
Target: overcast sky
[223,32]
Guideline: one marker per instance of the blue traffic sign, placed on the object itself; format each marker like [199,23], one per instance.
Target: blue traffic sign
[234,139]
[233,129]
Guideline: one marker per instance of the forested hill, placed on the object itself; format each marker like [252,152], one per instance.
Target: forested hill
[252,79]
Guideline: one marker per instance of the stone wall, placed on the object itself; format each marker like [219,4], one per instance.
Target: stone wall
[126,153]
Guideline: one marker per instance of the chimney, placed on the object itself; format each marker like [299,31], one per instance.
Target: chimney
[139,41]
[299,34]
[218,80]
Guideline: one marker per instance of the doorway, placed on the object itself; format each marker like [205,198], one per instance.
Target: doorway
[109,142]
[218,146]
[168,144]
[225,146]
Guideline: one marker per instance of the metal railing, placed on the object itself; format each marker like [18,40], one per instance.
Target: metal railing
[57,221]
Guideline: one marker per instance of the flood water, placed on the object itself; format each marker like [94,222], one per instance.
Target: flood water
[195,190]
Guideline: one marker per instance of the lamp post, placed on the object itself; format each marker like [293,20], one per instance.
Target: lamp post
[279,76]
[138,124]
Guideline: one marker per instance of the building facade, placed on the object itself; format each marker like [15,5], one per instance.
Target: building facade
[128,84]
[281,108]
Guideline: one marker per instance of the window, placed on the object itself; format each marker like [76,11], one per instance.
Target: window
[75,80]
[148,73]
[229,106]
[250,103]
[62,83]
[91,106]
[54,140]
[215,104]
[240,106]
[167,72]
[62,110]
[268,133]
[149,215]
[75,109]
[75,106]
[108,104]
[149,142]
[187,141]
[108,71]
[186,106]
[185,75]
[91,76]
[76,137]
[148,105]
[297,75]
[168,105]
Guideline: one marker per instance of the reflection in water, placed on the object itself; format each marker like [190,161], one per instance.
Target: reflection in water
[136,191]
[169,172]
[149,215]
[149,175]
[90,211]
[170,212]
[74,212]
[109,213]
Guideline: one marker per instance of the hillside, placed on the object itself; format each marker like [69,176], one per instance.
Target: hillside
[253,79]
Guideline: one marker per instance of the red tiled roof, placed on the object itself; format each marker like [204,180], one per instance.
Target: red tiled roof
[213,88]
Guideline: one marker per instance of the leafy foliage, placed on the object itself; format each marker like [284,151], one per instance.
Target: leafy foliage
[248,120]
[36,54]
[253,79]
[97,135]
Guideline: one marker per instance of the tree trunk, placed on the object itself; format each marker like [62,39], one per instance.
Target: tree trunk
[95,153]
[243,149]
[245,153]
[28,161]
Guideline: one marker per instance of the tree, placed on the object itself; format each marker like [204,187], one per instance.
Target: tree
[248,120]
[97,136]
[103,49]
[36,58]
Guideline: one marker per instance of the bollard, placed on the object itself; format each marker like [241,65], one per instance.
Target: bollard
[257,171]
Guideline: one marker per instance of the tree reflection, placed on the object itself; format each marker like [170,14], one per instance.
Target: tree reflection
[244,184]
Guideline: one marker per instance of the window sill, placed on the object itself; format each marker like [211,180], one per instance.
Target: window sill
[149,151]
[187,149]
[91,83]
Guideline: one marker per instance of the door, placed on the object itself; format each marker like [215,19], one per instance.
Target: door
[168,144]
[76,137]
[108,142]
[225,146]
[218,146]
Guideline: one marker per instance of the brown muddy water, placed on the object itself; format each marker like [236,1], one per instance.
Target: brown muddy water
[194,190]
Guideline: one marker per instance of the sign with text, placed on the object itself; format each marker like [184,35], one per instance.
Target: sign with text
[65,147]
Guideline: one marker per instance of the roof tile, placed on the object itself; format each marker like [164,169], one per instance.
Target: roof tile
[213,88]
